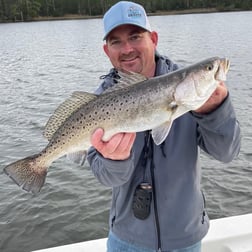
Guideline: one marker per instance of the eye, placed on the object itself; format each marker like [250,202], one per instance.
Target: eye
[135,37]
[209,67]
[114,42]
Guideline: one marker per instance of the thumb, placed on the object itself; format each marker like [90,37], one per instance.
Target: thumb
[96,138]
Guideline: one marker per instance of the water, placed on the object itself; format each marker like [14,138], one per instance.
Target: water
[42,63]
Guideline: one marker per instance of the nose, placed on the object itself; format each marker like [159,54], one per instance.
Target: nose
[126,47]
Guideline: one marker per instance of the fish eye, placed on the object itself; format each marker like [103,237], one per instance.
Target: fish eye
[209,67]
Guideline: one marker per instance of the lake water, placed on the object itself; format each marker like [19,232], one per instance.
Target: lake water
[42,63]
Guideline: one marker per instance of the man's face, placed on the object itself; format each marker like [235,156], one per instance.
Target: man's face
[132,49]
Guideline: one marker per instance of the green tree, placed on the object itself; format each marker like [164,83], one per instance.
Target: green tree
[25,9]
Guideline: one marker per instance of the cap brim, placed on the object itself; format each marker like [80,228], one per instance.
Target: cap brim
[120,24]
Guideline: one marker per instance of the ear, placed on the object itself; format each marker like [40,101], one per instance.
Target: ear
[154,37]
[105,49]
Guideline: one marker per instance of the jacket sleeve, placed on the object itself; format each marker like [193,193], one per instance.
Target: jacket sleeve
[219,132]
[109,172]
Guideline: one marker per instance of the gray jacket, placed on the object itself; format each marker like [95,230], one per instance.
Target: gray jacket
[178,216]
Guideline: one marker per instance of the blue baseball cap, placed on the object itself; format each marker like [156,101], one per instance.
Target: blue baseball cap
[125,12]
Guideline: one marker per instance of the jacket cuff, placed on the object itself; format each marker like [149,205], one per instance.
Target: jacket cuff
[217,117]
[114,165]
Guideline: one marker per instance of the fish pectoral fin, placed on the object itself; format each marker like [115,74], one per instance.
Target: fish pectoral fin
[64,110]
[78,157]
[160,133]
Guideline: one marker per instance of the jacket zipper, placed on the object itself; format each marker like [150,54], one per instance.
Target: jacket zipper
[152,167]
[155,206]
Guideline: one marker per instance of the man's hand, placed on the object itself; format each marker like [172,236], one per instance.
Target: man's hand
[215,99]
[117,148]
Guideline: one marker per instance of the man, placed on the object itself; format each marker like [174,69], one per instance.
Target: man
[157,204]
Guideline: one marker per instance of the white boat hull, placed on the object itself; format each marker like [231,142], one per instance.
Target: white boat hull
[230,234]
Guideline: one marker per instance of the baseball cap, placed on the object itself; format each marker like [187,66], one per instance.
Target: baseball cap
[125,12]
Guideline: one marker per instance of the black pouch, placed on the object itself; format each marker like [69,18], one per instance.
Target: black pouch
[142,201]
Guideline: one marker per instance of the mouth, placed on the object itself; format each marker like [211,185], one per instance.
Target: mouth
[129,59]
[222,70]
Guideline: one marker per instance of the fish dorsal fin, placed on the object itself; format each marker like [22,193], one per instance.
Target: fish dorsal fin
[64,110]
[126,79]
[160,133]
[130,78]
[83,97]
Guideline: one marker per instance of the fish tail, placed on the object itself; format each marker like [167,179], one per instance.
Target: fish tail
[28,173]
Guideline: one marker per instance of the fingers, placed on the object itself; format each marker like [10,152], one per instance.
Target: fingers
[220,89]
[117,148]
[126,143]
[114,143]
[215,99]
[96,138]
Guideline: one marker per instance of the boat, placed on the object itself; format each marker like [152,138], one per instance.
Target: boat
[229,234]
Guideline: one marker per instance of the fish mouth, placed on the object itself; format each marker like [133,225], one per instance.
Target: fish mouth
[222,70]
[226,65]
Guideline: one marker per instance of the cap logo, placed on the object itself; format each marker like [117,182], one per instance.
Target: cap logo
[134,12]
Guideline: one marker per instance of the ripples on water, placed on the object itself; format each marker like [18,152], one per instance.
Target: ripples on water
[42,63]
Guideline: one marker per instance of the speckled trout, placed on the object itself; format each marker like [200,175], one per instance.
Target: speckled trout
[134,104]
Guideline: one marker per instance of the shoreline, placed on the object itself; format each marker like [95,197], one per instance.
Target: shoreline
[157,13]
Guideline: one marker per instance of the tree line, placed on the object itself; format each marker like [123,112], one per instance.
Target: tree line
[26,10]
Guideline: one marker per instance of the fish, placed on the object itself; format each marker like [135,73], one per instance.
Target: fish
[134,104]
